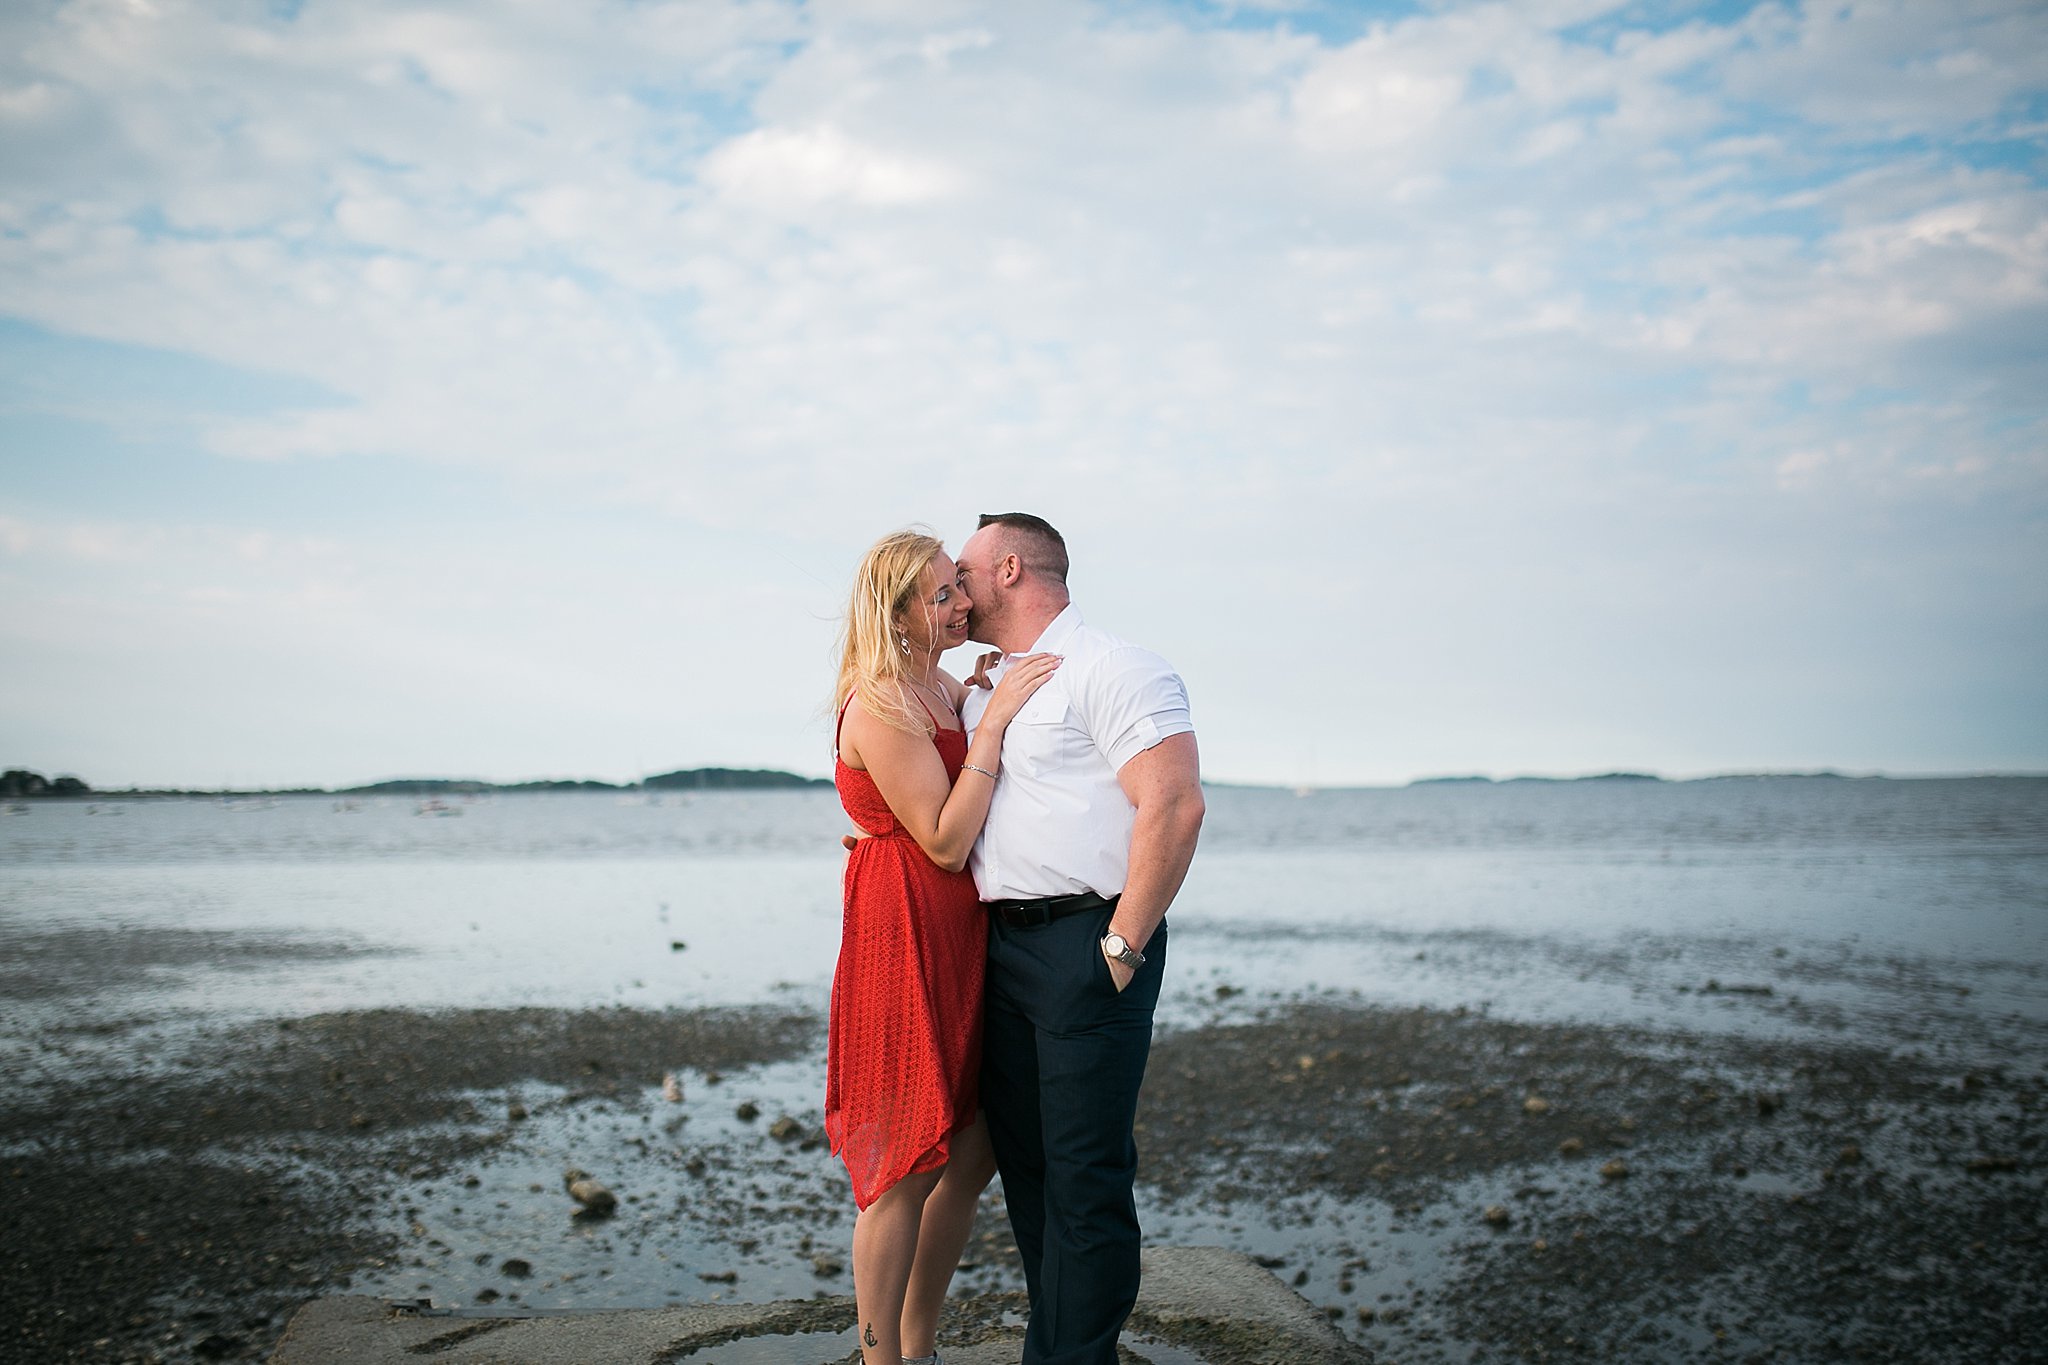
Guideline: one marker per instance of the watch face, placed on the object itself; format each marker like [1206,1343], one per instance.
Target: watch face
[1116,945]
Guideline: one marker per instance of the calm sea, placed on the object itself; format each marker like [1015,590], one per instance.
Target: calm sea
[1906,915]
[1733,904]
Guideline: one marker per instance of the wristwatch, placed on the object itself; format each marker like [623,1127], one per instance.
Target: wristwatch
[1117,949]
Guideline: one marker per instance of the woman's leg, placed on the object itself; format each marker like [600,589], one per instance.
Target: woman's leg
[942,1236]
[885,1239]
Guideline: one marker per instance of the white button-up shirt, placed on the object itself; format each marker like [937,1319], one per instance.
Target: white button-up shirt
[1059,823]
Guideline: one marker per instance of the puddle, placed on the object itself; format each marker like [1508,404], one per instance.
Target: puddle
[836,1348]
[1159,1352]
[711,1206]
[785,1348]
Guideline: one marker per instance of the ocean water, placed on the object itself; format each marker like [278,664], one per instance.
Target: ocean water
[1732,904]
[1909,915]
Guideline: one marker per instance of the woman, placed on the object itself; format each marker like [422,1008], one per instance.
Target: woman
[901,1107]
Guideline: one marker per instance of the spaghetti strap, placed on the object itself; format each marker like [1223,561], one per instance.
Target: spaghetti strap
[927,711]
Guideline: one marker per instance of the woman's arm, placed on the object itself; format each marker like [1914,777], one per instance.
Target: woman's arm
[944,818]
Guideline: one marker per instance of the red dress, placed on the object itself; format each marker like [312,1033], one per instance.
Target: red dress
[904,1053]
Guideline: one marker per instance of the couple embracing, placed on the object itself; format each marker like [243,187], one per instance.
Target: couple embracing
[1004,931]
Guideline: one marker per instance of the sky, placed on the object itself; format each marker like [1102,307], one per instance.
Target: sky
[508,390]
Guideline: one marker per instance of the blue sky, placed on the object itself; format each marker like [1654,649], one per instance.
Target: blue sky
[508,391]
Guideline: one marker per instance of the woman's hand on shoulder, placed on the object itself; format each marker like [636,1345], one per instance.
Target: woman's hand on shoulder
[1023,677]
[979,677]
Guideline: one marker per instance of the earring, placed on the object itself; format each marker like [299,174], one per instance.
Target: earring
[906,643]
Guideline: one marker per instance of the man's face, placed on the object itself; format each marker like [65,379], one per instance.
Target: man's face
[977,576]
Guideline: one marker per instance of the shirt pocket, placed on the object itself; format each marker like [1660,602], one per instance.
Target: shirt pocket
[1039,738]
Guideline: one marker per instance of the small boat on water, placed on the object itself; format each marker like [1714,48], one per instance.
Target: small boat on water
[16,808]
[434,805]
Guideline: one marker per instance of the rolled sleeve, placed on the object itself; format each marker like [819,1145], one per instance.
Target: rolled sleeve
[1134,701]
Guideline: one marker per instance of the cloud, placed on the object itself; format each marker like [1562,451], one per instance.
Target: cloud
[1194,271]
[801,169]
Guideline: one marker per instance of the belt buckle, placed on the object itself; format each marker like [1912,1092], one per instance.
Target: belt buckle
[1032,916]
[1028,915]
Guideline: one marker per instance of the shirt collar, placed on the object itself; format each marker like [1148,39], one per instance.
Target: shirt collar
[1057,632]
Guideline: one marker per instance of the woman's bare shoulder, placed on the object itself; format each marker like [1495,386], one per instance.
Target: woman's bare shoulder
[863,726]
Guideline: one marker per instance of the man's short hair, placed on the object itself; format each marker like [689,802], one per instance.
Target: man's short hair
[1042,549]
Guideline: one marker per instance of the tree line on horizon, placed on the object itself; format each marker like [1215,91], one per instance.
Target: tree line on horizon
[20,783]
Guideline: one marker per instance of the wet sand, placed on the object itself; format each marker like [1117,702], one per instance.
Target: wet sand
[1450,1187]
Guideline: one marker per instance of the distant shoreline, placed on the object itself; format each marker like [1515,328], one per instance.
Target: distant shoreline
[685,779]
[20,785]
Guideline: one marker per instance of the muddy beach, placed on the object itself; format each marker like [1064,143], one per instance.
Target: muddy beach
[1446,1185]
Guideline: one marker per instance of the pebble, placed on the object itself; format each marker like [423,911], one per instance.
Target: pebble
[1735,988]
[1535,1104]
[672,1088]
[747,1112]
[1849,1155]
[1571,1147]
[785,1128]
[1614,1170]
[825,1266]
[515,1267]
[588,1192]
[1498,1215]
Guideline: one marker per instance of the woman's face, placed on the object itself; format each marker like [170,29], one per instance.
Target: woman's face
[936,619]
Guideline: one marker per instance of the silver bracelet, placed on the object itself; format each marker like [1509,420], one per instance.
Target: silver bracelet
[969,767]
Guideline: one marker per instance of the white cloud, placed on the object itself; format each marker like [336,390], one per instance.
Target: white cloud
[799,170]
[827,268]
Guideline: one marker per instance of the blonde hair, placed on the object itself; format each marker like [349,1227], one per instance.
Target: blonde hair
[873,667]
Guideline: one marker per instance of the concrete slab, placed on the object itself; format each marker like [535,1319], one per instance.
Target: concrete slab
[1197,1304]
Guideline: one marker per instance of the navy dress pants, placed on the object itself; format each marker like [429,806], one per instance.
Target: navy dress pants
[1062,1057]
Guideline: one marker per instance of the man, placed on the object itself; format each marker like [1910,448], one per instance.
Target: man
[1089,834]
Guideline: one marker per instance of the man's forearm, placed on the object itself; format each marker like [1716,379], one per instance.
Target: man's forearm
[1163,835]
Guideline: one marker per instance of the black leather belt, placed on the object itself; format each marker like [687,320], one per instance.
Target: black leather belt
[1032,913]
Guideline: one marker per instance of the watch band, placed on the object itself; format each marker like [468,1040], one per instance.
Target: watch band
[1129,956]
